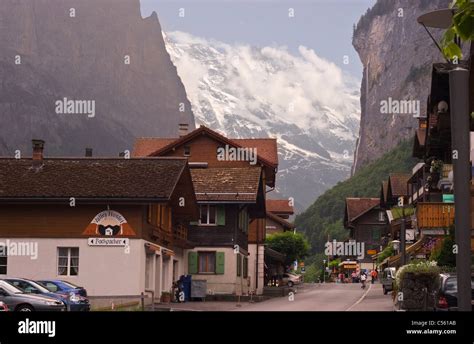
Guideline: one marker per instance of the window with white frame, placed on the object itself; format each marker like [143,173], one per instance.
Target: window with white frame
[208,215]
[68,261]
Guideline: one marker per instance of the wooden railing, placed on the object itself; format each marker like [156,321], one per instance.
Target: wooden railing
[434,215]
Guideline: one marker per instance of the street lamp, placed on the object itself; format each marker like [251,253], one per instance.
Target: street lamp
[396,245]
[324,270]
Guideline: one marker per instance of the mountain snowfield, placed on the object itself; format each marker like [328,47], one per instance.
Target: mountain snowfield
[304,101]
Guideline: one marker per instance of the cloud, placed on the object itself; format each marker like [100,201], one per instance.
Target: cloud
[299,88]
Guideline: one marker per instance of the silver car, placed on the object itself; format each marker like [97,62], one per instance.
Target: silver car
[16,300]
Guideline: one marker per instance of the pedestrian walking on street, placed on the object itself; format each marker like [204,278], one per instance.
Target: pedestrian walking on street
[363,278]
[373,274]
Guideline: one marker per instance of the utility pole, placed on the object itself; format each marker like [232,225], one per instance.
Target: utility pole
[401,202]
[324,270]
[460,139]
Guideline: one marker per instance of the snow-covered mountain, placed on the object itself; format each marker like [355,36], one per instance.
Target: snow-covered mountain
[306,102]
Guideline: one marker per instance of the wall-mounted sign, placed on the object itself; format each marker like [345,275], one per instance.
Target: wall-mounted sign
[108,242]
[371,252]
[109,223]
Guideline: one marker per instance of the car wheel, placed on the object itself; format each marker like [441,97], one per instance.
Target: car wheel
[384,290]
[290,284]
[24,308]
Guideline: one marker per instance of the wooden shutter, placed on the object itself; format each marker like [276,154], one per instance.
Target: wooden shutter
[221,215]
[192,262]
[246,267]
[220,263]
[239,265]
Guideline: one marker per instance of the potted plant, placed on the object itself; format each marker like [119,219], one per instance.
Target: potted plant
[166,297]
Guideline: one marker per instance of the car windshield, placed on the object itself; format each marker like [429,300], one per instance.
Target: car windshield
[452,284]
[38,286]
[10,288]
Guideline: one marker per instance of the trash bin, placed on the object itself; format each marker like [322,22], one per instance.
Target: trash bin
[186,280]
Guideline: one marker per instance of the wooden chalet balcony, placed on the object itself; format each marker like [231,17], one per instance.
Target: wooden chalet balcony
[173,237]
[180,232]
[163,234]
[434,215]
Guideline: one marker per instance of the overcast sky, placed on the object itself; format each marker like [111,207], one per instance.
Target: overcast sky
[322,25]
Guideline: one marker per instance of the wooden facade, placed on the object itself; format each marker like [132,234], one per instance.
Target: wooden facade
[224,233]
[435,215]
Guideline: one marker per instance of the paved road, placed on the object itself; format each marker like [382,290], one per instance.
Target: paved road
[324,297]
[328,297]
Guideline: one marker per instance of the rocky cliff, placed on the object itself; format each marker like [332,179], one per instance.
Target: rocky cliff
[397,55]
[88,50]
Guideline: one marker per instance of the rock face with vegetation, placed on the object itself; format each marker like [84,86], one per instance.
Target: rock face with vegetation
[397,55]
[324,217]
[51,49]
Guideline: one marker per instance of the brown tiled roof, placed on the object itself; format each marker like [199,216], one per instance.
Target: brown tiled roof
[266,147]
[279,206]
[356,207]
[90,178]
[280,220]
[144,146]
[398,184]
[226,184]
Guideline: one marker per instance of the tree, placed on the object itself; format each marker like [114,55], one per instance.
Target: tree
[293,245]
[444,254]
[462,26]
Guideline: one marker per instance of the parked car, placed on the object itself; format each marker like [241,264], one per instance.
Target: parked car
[290,279]
[19,301]
[448,290]
[63,287]
[73,302]
[388,279]
[3,307]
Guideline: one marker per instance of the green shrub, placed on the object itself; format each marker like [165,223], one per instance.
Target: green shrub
[386,252]
[420,269]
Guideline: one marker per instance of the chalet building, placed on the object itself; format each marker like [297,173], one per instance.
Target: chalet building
[231,178]
[367,224]
[114,226]
[430,186]
[396,188]
[278,214]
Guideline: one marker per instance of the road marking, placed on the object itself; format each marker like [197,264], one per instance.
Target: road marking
[361,298]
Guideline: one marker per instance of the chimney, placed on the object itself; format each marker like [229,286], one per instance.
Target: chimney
[88,152]
[183,129]
[38,146]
